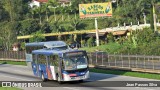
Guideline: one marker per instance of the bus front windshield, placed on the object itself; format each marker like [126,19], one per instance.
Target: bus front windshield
[75,62]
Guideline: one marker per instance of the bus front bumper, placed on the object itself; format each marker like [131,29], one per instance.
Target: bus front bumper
[76,78]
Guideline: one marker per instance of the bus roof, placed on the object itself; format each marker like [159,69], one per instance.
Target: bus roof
[53,51]
[48,44]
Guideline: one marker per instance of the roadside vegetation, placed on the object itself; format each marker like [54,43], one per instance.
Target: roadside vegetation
[9,88]
[17,18]
[141,42]
[13,62]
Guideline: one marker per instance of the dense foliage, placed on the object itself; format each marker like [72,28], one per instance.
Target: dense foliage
[140,42]
[18,18]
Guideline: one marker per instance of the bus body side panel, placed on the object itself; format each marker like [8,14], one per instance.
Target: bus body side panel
[29,60]
[34,69]
[49,74]
[28,57]
[53,72]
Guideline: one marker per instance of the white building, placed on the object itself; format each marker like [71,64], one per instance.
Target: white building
[37,2]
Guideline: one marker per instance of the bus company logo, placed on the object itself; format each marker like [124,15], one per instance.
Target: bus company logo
[21,84]
[6,84]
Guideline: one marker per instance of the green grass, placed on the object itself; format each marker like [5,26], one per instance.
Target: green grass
[13,62]
[9,88]
[110,48]
[127,73]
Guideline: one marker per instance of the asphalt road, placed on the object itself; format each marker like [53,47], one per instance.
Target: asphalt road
[97,81]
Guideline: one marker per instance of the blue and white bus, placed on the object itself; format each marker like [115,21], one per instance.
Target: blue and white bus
[40,45]
[61,64]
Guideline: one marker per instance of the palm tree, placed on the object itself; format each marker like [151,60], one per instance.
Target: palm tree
[45,9]
[38,11]
[53,4]
[68,10]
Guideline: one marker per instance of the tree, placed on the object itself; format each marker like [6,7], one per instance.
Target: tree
[56,27]
[39,11]
[90,42]
[53,4]
[110,37]
[75,23]
[45,8]
[8,34]
[14,8]
[3,13]
[37,36]
[28,26]
[62,10]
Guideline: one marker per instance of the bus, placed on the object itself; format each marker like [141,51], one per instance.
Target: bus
[60,65]
[40,45]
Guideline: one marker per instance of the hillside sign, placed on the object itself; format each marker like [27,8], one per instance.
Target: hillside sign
[95,10]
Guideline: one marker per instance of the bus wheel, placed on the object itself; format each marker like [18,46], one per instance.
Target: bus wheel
[43,79]
[58,80]
[80,81]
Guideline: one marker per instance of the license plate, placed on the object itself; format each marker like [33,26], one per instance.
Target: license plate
[80,77]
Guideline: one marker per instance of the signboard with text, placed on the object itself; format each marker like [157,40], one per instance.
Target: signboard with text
[95,10]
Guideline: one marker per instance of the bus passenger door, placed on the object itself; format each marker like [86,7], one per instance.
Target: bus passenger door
[48,68]
[35,65]
[53,66]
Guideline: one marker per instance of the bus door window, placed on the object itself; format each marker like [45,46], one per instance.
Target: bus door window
[48,69]
[48,61]
[34,58]
[54,60]
[42,64]
[42,59]
[35,65]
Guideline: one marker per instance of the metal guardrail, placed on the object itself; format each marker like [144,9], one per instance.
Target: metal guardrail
[141,63]
[12,55]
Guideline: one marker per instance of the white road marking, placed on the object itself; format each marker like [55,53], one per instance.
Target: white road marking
[3,75]
[71,88]
[22,71]
[144,88]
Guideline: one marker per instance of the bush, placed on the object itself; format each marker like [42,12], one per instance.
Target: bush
[90,42]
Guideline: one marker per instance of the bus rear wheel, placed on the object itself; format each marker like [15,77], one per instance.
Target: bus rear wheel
[80,81]
[43,79]
[58,79]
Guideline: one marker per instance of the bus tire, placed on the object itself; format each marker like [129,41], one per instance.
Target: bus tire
[80,81]
[42,77]
[57,77]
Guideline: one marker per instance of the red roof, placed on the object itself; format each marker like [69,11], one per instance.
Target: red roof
[65,1]
[62,1]
[42,1]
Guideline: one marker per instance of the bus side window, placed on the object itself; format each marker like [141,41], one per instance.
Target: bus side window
[42,59]
[34,58]
[54,60]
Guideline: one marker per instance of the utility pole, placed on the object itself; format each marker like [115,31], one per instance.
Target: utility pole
[154,18]
[97,32]
[144,18]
